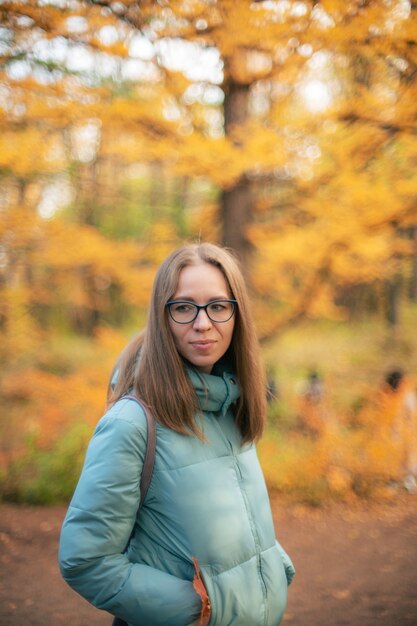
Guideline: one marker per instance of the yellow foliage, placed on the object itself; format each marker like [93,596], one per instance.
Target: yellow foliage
[47,404]
[345,459]
[219,159]
[332,191]
[204,222]
[162,238]
[17,152]
[118,49]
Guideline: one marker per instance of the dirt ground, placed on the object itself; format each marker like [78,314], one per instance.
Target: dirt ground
[355,567]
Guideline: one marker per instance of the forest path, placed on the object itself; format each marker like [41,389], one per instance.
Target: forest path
[355,566]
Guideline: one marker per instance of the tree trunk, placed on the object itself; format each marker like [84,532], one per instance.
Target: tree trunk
[88,193]
[236,208]
[412,292]
[393,291]
[157,190]
[236,216]
[179,202]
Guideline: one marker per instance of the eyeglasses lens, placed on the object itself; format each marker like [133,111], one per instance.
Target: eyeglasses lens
[185,312]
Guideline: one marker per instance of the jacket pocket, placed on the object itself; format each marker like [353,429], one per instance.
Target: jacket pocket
[201,590]
[288,564]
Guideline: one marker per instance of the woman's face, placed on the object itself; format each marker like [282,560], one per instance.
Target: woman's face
[202,342]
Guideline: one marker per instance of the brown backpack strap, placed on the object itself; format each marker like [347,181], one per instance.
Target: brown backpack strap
[149,461]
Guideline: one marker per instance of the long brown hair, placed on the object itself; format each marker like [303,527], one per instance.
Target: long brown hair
[153,368]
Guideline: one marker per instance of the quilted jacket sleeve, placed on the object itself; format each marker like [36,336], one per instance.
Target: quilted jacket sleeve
[98,524]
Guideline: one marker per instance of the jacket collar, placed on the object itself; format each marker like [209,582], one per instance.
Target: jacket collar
[215,391]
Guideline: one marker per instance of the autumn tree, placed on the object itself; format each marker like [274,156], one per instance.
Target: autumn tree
[230,92]
[286,130]
[274,56]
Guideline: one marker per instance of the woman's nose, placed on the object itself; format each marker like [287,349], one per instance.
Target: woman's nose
[202,321]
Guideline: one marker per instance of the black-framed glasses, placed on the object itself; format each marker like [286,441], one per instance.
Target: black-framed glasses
[184,312]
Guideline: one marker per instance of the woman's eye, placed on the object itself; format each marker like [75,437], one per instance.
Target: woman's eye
[183,308]
[218,306]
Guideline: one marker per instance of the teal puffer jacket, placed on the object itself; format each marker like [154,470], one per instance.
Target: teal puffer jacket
[206,500]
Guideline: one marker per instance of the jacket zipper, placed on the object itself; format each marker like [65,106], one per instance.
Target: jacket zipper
[253,529]
[254,533]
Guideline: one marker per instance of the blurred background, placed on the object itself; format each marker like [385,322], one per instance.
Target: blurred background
[283,129]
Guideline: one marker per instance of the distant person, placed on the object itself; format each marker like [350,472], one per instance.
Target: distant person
[311,410]
[314,388]
[202,548]
[400,402]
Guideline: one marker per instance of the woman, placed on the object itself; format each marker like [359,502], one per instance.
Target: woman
[202,549]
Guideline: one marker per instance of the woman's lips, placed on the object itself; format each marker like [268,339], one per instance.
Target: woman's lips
[202,345]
